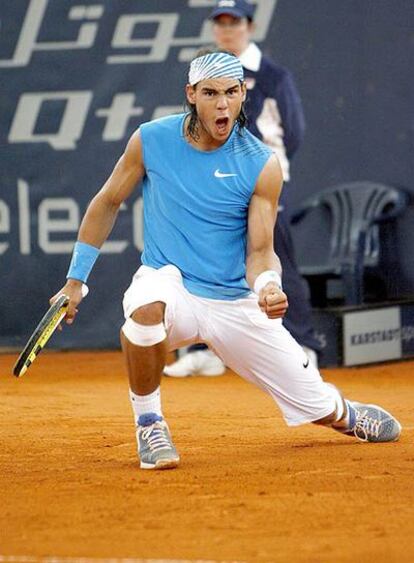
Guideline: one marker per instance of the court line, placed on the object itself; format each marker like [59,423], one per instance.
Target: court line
[53,559]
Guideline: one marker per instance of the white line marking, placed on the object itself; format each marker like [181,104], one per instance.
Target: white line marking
[53,559]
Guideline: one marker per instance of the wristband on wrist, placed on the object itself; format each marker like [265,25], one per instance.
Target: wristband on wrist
[266,277]
[83,259]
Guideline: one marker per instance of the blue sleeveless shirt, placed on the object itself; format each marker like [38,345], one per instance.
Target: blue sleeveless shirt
[196,204]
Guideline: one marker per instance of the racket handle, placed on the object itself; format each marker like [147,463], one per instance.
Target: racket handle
[85,290]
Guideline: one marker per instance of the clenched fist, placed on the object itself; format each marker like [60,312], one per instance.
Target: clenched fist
[273,301]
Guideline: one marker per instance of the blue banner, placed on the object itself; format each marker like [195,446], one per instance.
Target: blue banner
[77,78]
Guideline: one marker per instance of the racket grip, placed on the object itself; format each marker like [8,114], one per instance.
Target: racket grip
[85,290]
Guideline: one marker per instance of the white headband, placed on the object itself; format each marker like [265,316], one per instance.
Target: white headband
[215,65]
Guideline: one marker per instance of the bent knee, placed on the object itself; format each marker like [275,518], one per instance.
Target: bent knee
[145,327]
[150,314]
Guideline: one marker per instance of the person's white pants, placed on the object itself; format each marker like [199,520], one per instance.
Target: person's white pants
[259,349]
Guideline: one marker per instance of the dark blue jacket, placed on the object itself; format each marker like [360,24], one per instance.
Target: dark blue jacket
[274,107]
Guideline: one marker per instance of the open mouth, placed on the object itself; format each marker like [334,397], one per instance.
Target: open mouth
[222,124]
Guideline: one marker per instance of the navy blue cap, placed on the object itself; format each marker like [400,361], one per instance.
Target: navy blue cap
[235,8]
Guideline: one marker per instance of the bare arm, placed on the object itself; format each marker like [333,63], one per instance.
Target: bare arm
[101,214]
[103,209]
[260,248]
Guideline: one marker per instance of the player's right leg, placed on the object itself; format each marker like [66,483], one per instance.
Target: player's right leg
[157,318]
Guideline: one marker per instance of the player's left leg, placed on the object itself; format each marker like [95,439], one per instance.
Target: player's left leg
[367,422]
[263,352]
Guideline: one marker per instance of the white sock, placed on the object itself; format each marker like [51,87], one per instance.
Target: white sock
[342,410]
[346,417]
[344,423]
[143,404]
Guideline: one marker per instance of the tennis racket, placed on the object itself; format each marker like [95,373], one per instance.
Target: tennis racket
[43,332]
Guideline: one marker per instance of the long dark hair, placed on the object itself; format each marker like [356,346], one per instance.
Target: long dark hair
[192,127]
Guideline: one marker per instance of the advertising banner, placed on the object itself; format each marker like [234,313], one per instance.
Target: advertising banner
[76,80]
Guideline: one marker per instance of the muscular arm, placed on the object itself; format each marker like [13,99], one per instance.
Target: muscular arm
[261,221]
[103,209]
[260,249]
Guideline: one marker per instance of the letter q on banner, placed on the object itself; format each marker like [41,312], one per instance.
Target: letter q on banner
[71,126]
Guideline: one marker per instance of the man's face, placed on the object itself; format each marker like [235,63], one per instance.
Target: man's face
[218,102]
[232,34]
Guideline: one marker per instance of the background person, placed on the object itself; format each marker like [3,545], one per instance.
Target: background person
[275,115]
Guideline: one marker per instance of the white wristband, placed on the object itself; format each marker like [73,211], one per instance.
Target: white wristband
[266,277]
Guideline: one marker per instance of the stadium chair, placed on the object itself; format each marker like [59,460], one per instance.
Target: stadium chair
[356,209]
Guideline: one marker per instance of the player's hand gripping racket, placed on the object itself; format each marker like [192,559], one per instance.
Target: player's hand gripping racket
[43,332]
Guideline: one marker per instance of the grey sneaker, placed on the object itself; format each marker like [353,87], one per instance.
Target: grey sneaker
[371,423]
[155,447]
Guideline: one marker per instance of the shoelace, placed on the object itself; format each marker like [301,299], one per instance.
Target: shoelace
[367,426]
[156,437]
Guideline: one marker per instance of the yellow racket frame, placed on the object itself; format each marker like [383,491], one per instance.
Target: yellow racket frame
[41,335]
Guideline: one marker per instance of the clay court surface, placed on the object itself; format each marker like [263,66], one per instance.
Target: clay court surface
[248,488]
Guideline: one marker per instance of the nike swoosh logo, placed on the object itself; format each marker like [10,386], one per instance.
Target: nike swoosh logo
[305,365]
[219,174]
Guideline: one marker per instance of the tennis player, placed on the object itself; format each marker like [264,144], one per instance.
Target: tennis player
[209,272]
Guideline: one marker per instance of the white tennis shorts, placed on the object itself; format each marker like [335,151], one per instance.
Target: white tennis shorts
[259,349]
